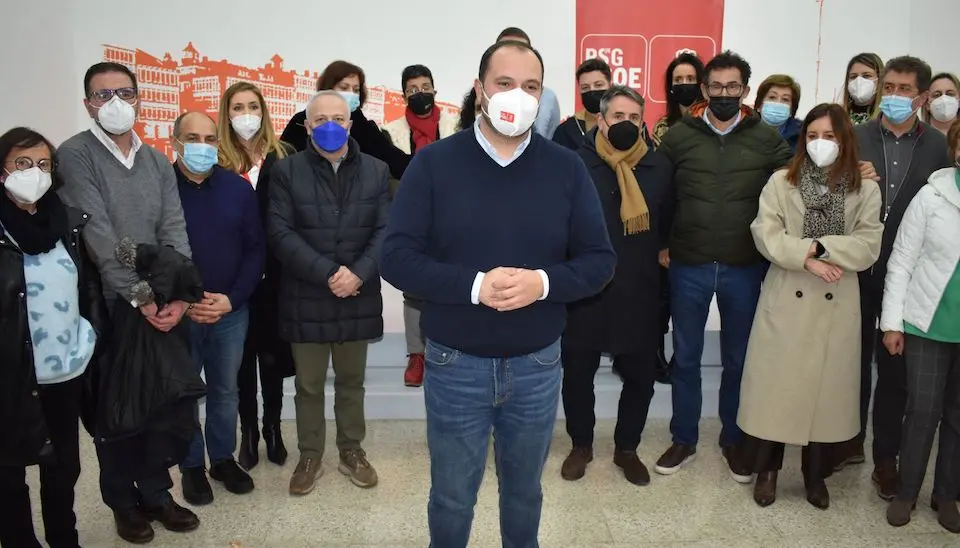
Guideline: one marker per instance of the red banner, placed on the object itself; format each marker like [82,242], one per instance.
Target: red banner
[639,38]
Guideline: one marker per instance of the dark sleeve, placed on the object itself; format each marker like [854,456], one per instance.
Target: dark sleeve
[781,154]
[592,259]
[561,138]
[404,261]
[293,252]
[669,203]
[294,134]
[93,305]
[254,251]
[366,267]
[373,142]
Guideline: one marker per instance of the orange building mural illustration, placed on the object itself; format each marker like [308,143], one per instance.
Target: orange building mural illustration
[169,87]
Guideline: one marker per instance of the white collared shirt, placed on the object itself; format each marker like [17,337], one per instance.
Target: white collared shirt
[102,136]
[733,126]
[492,152]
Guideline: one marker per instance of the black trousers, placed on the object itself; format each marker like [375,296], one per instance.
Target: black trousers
[124,481]
[271,385]
[890,395]
[61,411]
[758,455]
[638,374]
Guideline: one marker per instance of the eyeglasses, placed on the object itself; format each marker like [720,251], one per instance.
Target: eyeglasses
[104,95]
[733,88]
[24,163]
[426,88]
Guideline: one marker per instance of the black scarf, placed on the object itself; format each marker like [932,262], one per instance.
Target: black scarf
[37,233]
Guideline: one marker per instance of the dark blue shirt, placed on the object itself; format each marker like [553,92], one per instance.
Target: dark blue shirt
[458,213]
[226,237]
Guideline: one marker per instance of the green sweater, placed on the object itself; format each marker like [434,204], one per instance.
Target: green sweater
[718,181]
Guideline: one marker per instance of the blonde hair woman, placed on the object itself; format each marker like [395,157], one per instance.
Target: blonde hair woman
[249,147]
[861,93]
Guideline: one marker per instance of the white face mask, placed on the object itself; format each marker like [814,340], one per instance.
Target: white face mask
[246,125]
[862,90]
[28,186]
[944,108]
[511,113]
[116,116]
[823,152]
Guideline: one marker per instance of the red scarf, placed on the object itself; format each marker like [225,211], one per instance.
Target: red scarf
[423,130]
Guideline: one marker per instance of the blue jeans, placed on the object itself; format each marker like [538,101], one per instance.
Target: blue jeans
[691,290]
[218,351]
[467,397]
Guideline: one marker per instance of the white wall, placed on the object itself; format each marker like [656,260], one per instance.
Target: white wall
[43,63]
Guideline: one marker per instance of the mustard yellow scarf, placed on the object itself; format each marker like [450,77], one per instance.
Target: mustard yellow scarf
[634,212]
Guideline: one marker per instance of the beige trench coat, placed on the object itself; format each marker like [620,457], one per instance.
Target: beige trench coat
[801,378]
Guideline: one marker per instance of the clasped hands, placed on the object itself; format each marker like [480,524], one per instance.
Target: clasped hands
[506,288]
[344,283]
[210,309]
[166,318]
[829,273]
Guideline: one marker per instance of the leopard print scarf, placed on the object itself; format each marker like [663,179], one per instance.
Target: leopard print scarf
[825,210]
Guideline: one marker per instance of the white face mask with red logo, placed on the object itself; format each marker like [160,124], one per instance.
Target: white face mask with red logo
[511,113]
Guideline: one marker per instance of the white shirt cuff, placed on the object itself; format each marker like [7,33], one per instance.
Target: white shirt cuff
[475,291]
[546,284]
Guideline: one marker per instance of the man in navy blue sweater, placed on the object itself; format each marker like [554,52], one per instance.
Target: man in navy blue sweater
[223,225]
[497,229]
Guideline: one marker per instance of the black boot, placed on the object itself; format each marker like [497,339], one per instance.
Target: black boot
[276,451]
[663,365]
[249,455]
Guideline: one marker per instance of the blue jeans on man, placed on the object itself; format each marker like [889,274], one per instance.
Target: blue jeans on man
[692,288]
[467,397]
[218,352]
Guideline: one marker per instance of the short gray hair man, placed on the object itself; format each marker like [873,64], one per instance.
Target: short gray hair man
[326,93]
[619,91]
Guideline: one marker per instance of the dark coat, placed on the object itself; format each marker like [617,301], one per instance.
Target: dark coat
[624,318]
[317,221]
[365,132]
[572,133]
[791,132]
[264,307]
[25,439]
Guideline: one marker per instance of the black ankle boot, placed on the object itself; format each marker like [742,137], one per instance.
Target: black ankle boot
[276,451]
[249,455]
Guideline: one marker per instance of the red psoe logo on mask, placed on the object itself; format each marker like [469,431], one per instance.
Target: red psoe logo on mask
[507,117]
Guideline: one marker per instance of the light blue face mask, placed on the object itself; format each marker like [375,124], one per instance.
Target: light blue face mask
[897,108]
[199,157]
[352,99]
[775,113]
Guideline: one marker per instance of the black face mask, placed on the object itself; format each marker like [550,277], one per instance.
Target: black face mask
[686,94]
[623,135]
[724,108]
[591,100]
[420,103]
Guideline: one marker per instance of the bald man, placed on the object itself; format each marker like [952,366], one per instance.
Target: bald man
[223,226]
[325,223]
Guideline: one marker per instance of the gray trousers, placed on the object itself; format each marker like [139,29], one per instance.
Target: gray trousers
[933,397]
[411,324]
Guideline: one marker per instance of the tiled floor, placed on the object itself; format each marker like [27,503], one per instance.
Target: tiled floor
[699,507]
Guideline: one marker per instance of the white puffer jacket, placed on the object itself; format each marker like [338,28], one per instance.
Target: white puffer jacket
[925,254]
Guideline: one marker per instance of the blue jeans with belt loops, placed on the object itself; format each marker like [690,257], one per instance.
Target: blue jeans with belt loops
[467,397]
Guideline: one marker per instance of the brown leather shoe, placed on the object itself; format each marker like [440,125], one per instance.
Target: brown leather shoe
[849,453]
[947,514]
[354,464]
[885,479]
[133,526]
[575,465]
[173,517]
[765,490]
[898,512]
[633,469]
[817,494]
[304,478]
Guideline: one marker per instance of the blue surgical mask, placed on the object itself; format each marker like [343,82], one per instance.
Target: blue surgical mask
[352,99]
[199,158]
[897,108]
[774,113]
[330,136]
